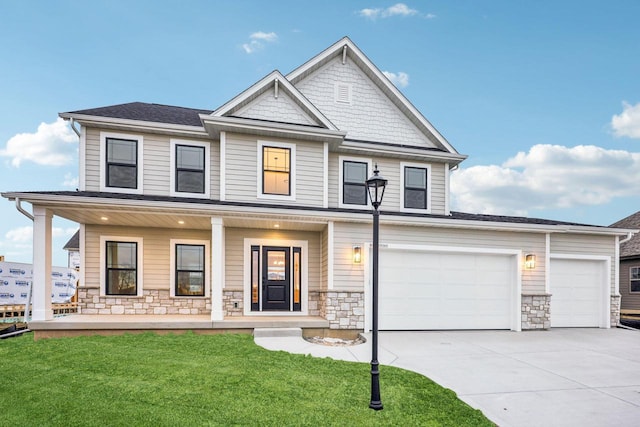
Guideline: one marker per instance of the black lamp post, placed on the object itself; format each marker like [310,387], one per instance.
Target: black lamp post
[375,187]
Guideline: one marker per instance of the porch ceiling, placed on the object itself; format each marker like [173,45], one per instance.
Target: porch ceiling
[128,217]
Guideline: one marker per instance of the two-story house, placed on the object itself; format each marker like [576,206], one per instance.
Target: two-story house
[257,212]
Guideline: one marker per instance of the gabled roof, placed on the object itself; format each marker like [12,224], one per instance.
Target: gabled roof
[275,82]
[630,248]
[347,49]
[74,242]
[145,112]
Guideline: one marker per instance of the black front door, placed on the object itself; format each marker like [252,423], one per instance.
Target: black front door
[275,278]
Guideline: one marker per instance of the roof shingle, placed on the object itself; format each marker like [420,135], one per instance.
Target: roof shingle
[148,112]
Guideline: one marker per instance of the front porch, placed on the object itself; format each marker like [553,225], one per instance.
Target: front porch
[89,324]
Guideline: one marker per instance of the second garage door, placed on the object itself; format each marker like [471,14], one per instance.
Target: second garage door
[577,292]
[423,290]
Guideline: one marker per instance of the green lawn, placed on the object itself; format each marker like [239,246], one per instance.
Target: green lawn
[191,380]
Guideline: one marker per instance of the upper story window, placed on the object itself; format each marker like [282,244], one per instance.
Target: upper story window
[353,176]
[634,279]
[190,168]
[415,183]
[276,170]
[121,163]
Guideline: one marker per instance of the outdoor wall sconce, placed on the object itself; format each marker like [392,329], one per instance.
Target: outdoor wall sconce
[529,261]
[357,254]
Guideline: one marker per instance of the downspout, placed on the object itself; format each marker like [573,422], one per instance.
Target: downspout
[629,236]
[73,128]
[22,210]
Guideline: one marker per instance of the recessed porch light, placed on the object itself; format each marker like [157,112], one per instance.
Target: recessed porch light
[181,222]
[276,225]
[104,218]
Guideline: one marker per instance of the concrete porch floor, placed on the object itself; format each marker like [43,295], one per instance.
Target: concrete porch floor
[89,324]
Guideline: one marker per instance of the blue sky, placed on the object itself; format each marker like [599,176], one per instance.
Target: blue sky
[543,96]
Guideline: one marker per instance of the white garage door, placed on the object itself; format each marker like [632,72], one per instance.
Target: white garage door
[421,290]
[576,292]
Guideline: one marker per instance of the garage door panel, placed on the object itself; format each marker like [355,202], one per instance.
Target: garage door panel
[427,290]
[577,292]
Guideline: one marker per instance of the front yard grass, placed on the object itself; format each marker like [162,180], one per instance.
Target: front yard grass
[192,380]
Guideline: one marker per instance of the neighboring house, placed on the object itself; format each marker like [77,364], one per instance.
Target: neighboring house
[630,266]
[73,249]
[257,211]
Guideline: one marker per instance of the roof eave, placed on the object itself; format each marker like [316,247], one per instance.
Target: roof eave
[140,125]
[215,125]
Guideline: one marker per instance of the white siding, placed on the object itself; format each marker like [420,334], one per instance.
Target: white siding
[347,274]
[156,162]
[234,253]
[242,168]
[92,160]
[280,109]
[156,252]
[370,115]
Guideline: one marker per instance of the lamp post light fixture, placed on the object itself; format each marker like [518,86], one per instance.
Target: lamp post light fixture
[375,187]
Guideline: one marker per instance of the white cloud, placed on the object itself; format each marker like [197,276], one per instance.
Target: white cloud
[398,9]
[70,180]
[53,144]
[547,177]
[430,16]
[400,79]
[627,123]
[256,41]
[20,235]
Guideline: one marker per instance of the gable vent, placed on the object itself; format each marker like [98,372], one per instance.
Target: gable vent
[343,93]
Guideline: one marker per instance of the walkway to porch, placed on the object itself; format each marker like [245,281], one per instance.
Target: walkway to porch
[86,324]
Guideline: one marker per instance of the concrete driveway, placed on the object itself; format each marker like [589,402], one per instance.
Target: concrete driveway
[561,377]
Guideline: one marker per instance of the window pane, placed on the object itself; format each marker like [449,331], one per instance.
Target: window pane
[276,183]
[415,177]
[190,283]
[121,151]
[122,176]
[354,194]
[276,265]
[255,275]
[355,172]
[190,257]
[415,199]
[276,159]
[635,273]
[635,286]
[296,277]
[190,157]
[121,255]
[121,282]
[190,182]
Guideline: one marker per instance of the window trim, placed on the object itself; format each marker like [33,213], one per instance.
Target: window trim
[207,267]
[633,280]
[426,166]
[341,160]
[139,162]
[139,267]
[173,165]
[292,170]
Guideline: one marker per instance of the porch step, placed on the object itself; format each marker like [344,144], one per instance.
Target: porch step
[277,332]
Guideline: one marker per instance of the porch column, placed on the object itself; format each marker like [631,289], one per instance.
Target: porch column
[217,268]
[41,288]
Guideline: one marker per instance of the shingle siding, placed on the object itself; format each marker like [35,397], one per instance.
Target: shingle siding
[371,115]
[280,109]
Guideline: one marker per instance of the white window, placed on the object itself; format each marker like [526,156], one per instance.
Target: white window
[634,279]
[121,265]
[189,268]
[121,163]
[415,184]
[354,172]
[276,170]
[190,169]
